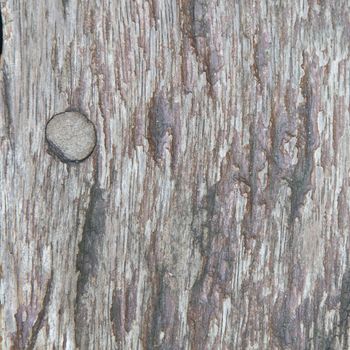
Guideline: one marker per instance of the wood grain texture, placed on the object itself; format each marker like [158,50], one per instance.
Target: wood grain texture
[214,211]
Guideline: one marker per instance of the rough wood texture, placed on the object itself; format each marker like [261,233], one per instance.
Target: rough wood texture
[214,212]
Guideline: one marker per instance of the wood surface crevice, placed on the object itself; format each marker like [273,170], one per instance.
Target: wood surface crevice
[26,334]
[87,261]
[39,323]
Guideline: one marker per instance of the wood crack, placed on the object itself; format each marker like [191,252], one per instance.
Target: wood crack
[41,315]
[87,260]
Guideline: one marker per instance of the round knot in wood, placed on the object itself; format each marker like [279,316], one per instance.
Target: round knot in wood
[71,136]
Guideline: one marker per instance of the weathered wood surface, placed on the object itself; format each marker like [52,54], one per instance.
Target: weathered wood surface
[214,211]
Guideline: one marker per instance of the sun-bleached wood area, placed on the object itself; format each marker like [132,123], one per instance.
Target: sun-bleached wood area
[213,212]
